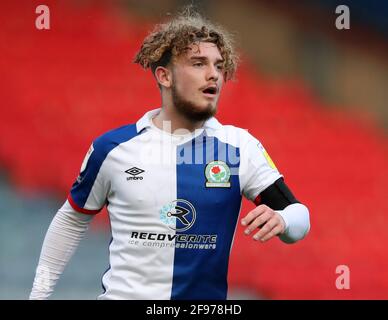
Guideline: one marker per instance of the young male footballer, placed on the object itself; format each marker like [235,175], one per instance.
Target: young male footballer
[173,181]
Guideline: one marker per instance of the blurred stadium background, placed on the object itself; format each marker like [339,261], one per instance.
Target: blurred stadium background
[314,95]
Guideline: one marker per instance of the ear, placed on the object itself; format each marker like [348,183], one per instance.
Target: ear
[163,76]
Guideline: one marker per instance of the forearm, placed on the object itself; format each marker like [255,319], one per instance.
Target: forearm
[62,238]
[297,219]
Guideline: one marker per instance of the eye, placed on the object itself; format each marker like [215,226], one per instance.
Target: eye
[198,64]
[220,67]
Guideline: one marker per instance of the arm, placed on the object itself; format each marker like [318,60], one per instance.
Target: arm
[297,222]
[278,214]
[62,238]
[87,197]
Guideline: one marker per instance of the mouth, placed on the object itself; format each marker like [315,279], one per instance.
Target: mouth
[210,91]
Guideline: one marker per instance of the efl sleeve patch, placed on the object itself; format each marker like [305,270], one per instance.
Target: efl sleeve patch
[258,171]
[267,157]
[89,191]
[86,159]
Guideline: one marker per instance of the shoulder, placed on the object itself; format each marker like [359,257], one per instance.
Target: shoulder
[106,142]
[236,136]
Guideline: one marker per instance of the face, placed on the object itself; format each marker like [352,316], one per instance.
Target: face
[197,78]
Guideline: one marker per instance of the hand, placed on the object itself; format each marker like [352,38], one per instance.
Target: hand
[269,221]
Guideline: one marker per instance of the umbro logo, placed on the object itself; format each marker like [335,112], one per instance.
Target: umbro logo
[134,172]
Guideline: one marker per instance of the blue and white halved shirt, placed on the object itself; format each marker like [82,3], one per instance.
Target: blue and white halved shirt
[173,203]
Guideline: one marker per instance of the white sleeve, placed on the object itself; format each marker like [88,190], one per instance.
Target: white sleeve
[257,170]
[297,219]
[62,238]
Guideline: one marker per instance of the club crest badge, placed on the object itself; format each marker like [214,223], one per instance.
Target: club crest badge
[217,175]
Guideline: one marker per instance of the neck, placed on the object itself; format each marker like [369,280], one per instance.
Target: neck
[176,120]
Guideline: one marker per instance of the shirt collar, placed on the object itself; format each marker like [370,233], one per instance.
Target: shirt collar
[145,121]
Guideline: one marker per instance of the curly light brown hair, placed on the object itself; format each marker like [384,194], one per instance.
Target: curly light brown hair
[171,39]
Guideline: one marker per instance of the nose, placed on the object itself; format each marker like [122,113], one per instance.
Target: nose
[212,73]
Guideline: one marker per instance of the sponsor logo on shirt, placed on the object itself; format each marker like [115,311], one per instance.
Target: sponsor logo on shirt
[177,240]
[178,215]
